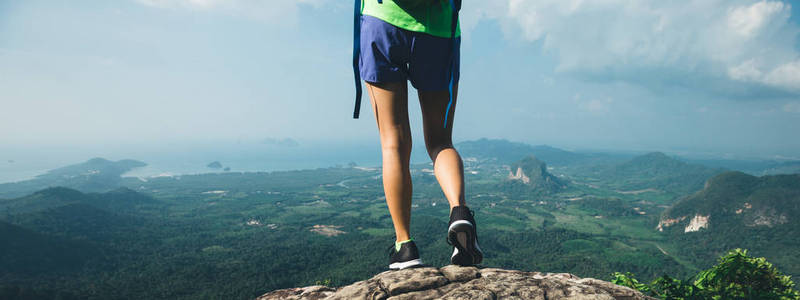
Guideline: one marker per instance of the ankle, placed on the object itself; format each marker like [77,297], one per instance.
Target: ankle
[398,244]
[402,238]
[457,205]
[460,207]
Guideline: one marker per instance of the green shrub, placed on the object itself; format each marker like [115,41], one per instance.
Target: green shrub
[735,276]
[627,279]
[738,276]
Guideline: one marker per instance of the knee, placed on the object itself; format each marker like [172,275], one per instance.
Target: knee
[400,143]
[435,149]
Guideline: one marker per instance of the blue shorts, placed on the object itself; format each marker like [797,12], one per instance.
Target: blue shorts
[391,54]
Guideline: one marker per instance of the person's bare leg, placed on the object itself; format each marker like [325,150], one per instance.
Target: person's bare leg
[390,105]
[447,164]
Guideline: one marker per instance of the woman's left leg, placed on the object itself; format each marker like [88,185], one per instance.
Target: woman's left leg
[447,164]
[449,170]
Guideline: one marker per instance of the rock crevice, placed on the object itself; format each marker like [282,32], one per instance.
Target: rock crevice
[454,282]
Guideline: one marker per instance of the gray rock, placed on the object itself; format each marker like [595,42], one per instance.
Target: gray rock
[456,273]
[368,290]
[313,292]
[410,280]
[454,282]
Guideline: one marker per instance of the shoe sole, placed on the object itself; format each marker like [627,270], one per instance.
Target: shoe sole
[405,264]
[466,251]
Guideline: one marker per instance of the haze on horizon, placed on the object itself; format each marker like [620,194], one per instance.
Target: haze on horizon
[716,76]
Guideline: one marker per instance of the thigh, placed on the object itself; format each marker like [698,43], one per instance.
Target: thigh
[390,106]
[432,60]
[385,51]
[434,108]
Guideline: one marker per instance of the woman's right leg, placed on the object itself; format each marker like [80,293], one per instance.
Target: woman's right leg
[390,105]
[447,164]
[449,170]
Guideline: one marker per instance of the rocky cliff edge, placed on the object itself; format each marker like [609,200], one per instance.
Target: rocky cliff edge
[454,282]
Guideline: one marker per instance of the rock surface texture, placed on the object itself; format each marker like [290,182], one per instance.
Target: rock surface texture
[454,282]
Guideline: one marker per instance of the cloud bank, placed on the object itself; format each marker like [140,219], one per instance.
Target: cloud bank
[735,41]
[728,46]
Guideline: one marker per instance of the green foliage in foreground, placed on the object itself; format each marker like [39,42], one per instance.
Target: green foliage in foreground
[736,276]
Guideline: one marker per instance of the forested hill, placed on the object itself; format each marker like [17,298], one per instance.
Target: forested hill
[740,210]
[531,173]
[94,175]
[656,171]
[504,151]
[25,253]
[117,200]
[58,234]
[735,199]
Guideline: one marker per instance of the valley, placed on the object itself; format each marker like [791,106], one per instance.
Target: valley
[237,235]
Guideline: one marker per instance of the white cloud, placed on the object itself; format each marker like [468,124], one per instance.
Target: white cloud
[736,41]
[748,20]
[745,71]
[787,75]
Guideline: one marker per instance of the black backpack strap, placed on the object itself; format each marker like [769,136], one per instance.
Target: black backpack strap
[356,55]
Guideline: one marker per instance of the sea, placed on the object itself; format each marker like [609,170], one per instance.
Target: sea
[23,163]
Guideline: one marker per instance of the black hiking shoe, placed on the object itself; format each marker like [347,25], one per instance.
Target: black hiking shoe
[407,257]
[463,236]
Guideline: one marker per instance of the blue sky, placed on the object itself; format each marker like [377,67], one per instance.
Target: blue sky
[713,76]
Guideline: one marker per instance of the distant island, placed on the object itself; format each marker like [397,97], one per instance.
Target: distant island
[214,165]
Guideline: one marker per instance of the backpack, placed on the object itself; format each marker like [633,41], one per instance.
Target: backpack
[455,5]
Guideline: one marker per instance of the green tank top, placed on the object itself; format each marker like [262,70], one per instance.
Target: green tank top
[427,16]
